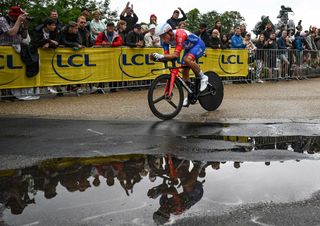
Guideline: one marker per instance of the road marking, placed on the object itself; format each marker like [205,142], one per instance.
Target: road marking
[114,212]
[255,221]
[88,204]
[33,223]
[96,132]
[98,152]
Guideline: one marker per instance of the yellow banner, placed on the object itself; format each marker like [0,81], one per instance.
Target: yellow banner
[92,65]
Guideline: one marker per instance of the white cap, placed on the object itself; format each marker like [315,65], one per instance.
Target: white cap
[152,26]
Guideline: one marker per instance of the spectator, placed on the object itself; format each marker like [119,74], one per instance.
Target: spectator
[13,29]
[271,46]
[298,46]
[144,29]
[54,16]
[153,20]
[96,25]
[129,17]
[202,33]
[182,25]
[268,30]
[109,38]
[237,40]
[283,45]
[225,42]
[243,28]
[175,20]
[260,56]
[84,33]
[135,37]
[217,25]
[121,28]
[249,44]
[70,36]
[215,41]
[86,13]
[46,36]
[150,39]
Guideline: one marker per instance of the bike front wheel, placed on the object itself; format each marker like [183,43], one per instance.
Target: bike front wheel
[163,105]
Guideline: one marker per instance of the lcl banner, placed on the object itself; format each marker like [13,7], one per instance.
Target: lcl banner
[92,65]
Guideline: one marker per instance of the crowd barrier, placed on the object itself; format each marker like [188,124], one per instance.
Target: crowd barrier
[131,67]
[64,66]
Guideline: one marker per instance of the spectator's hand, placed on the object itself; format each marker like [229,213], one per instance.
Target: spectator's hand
[127,6]
[22,18]
[54,42]
[180,8]
[80,46]
[45,46]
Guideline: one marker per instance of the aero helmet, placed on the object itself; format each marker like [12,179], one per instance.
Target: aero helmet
[162,28]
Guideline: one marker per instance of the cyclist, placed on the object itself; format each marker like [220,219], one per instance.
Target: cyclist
[182,39]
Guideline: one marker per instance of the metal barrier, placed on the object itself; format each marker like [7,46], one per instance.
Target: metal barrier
[264,65]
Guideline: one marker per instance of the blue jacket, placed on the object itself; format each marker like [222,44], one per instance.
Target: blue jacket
[237,42]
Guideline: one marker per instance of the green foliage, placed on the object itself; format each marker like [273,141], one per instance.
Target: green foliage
[68,10]
[228,19]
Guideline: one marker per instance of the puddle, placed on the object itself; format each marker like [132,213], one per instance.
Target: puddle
[144,189]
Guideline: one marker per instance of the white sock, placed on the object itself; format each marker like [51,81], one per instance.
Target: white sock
[201,74]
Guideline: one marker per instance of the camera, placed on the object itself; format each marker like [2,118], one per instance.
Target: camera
[30,18]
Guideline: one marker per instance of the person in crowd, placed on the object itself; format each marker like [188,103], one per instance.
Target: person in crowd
[225,42]
[54,16]
[237,40]
[260,56]
[150,39]
[271,46]
[243,28]
[70,37]
[135,37]
[13,29]
[153,19]
[311,46]
[96,25]
[248,42]
[215,41]
[217,25]
[175,20]
[268,30]
[203,34]
[144,29]
[109,38]
[86,13]
[283,45]
[84,33]
[182,25]
[298,47]
[46,36]
[121,28]
[129,17]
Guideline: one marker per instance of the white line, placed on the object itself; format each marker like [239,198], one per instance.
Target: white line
[114,212]
[87,204]
[98,152]
[255,221]
[33,223]
[96,132]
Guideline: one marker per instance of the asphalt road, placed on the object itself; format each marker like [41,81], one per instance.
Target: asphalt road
[283,101]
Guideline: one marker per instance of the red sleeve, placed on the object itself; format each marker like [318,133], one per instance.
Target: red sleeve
[99,39]
[181,36]
[117,42]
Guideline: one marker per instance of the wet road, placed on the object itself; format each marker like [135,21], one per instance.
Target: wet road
[64,172]
[254,161]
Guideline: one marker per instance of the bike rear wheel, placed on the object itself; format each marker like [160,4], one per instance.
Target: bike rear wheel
[163,106]
[211,98]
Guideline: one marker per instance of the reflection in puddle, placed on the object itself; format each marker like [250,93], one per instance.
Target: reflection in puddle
[152,188]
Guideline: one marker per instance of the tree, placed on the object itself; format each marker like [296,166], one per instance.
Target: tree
[228,19]
[68,10]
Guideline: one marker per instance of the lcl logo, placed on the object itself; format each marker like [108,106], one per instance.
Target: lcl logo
[231,64]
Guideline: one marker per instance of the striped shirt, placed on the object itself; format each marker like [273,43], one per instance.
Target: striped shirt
[5,39]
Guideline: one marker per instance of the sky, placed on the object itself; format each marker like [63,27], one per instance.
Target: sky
[251,10]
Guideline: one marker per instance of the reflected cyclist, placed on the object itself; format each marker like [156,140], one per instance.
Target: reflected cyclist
[182,39]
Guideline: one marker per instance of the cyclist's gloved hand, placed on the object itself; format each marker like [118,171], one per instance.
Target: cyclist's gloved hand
[157,56]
